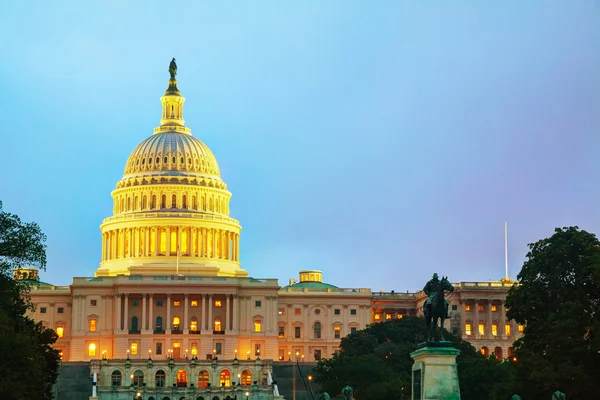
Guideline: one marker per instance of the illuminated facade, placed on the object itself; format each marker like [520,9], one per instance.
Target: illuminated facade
[170,285]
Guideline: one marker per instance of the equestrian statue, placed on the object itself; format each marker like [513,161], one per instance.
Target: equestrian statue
[436,306]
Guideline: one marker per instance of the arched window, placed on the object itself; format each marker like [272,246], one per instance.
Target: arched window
[138,378]
[144,202]
[203,203]
[218,324]
[134,324]
[225,378]
[184,201]
[163,201]
[510,352]
[128,203]
[115,378]
[246,378]
[194,203]
[136,203]
[498,353]
[194,325]
[317,330]
[174,201]
[203,378]
[485,351]
[160,378]
[159,324]
[181,378]
[153,203]
[176,323]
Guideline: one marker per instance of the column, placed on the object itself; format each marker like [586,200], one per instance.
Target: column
[103,313]
[75,322]
[119,325]
[147,242]
[179,239]
[463,319]
[168,249]
[156,241]
[305,322]
[275,312]
[143,328]
[203,315]
[235,312]
[186,324]
[288,328]
[122,243]
[168,327]
[248,313]
[126,313]
[476,318]
[210,317]
[502,312]
[489,320]
[345,329]
[150,313]
[136,246]
[227,326]
[267,316]
[103,247]
[330,322]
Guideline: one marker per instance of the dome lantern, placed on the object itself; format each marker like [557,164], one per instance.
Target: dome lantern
[172,106]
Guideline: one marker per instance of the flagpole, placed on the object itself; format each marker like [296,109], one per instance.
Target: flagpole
[506,249]
[178,253]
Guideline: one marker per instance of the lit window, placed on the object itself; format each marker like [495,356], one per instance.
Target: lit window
[257,350]
[218,324]
[134,348]
[217,303]
[467,307]
[494,308]
[377,317]
[281,311]
[257,325]
[60,331]
[481,329]
[468,329]
[388,316]
[225,378]
[480,307]
[176,303]
[92,325]
[521,328]
[281,331]
[194,325]
[194,303]
[203,378]
[336,332]
[399,316]
[494,329]
[176,323]
[246,378]
[507,329]
[92,349]
[297,311]
[194,349]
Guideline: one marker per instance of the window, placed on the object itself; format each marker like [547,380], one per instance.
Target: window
[92,349]
[467,307]
[176,303]
[281,311]
[176,323]
[135,302]
[336,332]
[317,330]
[317,354]
[353,329]
[507,329]
[60,331]
[218,303]
[42,310]
[93,303]
[388,316]
[353,311]
[246,378]
[399,316]
[454,307]
[134,324]
[468,329]
[134,349]
[225,378]
[480,307]
[494,308]
[521,328]
[194,325]
[181,378]
[317,311]
[203,378]
[257,350]
[138,378]
[297,311]
[115,378]
[159,378]
[158,348]
[218,324]
[281,331]
[194,349]
[194,303]
[495,329]
[257,325]
[61,310]
[159,303]
[257,303]
[481,329]
[93,325]
[297,332]
[377,317]
[336,311]
[159,324]
[219,348]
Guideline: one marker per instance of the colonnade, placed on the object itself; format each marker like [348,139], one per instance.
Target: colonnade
[488,320]
[148,201]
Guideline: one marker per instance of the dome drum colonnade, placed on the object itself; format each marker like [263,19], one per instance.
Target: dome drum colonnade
[171,206]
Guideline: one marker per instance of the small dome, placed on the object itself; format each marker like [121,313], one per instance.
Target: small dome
[172,154]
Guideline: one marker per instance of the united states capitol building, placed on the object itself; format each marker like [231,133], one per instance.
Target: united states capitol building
[172,313]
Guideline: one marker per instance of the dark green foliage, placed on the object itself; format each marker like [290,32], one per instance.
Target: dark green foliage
[28,365]
[376,363]
[558,300]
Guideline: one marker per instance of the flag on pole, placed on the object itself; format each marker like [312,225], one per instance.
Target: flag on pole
[178,252]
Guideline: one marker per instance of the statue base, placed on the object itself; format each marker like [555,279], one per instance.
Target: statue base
[434,373]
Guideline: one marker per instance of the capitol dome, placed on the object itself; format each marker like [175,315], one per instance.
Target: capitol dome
[171,208]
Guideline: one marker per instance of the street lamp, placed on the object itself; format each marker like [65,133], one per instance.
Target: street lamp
[247,395]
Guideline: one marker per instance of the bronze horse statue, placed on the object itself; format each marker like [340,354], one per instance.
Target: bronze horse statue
[436,307]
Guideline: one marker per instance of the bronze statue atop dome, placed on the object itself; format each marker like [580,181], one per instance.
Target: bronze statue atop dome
[173,68]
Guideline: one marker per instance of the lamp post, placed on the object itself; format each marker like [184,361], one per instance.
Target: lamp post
[247,395]
[294,377]
[312,396]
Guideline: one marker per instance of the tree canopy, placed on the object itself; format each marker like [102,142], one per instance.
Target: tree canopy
[558,300]
[29,365]
[376,362]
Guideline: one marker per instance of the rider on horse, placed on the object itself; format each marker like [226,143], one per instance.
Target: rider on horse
[431,289]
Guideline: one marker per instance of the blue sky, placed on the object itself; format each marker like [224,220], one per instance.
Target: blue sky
[379,141]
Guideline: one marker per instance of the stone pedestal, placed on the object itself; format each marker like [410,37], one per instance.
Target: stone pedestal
[434,374]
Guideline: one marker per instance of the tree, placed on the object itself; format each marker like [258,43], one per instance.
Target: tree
[28,364]
[557,298]
[376,362]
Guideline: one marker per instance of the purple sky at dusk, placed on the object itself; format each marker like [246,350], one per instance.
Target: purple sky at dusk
[379,141]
